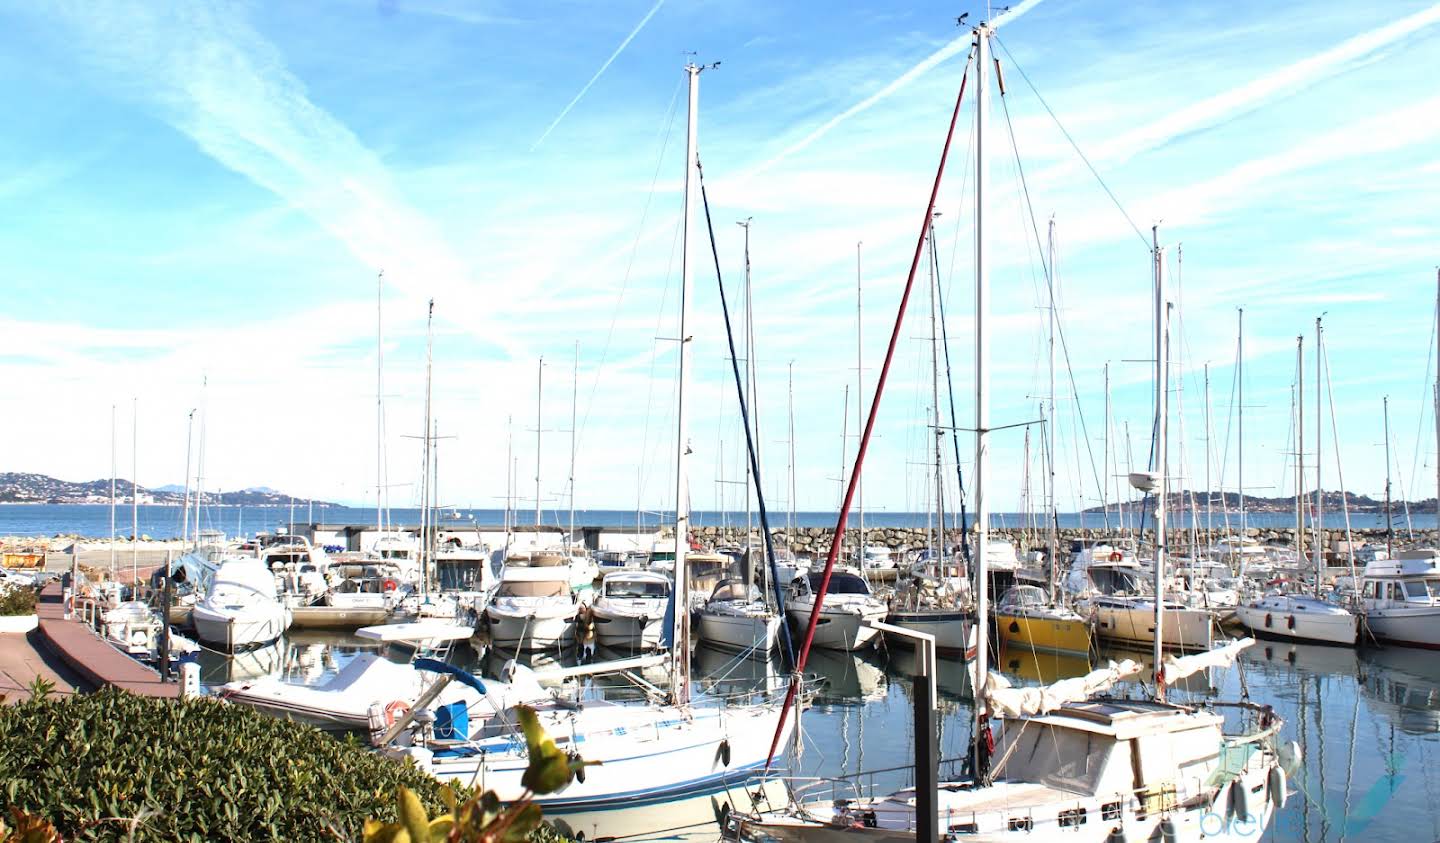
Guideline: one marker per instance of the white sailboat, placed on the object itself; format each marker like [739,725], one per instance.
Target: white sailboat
[651,753]
[738,618]
[1068,764]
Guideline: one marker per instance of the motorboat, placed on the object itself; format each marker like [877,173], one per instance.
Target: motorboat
[1300,617]
[1401,598]
[876,557]
[846,614]
[629,613]
[533,608]
[242,607]
[738,618]
[133,628]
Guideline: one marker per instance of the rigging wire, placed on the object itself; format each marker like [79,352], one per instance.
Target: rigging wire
[1073,145]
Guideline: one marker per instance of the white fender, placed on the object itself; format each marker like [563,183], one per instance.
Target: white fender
[1116,835]
[1276,782]
[1168,832]
[1290,757]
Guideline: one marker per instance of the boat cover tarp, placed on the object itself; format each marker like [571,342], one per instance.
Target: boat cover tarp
[1009,701]
[1177,668]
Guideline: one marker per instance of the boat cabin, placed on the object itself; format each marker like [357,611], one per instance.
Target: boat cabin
[635,585]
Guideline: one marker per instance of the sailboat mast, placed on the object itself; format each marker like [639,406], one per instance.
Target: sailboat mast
[1051,516]
[134,491]
[982,394]
[860,392]
[539,398]
[935,414]
[1389,525]
[427,524]
[1319,463]
[1300,451]
[574,401]
[1437,401]
[680,662]
[185,516]
[379,402]
[112,491]
[1209,491]
[1240,416]
[790,480]
[1162,347]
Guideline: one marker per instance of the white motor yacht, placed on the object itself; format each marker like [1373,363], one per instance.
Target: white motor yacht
[242,607]
[846,614]
[533,608]
[629,614]
[1401,598]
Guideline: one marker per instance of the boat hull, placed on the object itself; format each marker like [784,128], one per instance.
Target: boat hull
[739,633]
[628,632]
[1184,629]
[1408,627]
[840,628]
[1055,635]
[239,631]
[1276,622]
[530,632]
[951,628]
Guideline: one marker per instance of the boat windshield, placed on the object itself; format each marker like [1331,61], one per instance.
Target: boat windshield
[1023,595]
[1420,589]
[539,588]
[1115,580]
[735,590]
[636,588]
[840,583]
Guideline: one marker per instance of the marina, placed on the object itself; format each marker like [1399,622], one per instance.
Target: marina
[1004,560]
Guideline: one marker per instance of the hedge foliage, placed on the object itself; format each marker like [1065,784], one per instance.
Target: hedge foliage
[17,600]
[194,770]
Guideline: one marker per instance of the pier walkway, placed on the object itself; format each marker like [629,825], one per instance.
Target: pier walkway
[23,659]
[96,662]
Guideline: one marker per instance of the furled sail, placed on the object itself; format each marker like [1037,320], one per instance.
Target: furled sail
[1177,668]
[1009,701]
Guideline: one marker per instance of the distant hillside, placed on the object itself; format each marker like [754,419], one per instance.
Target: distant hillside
[1332,501]
[17,487]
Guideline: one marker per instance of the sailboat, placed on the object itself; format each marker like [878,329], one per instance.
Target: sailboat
[650,753]
[1302,617]
[1401,596]
[1068,763]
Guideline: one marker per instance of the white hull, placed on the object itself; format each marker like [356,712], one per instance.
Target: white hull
[1299,621]
[1185,629]
[626,632]
[742,633]
[650,755]
[839,627]
[951,628]
[1411,627]
[529,632]
[253,626]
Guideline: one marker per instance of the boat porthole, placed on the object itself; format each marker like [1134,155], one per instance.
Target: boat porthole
[1291,622]
[1014,627]
[1267,621]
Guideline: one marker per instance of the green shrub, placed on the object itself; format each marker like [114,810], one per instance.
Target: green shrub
[195,770]
[17,600]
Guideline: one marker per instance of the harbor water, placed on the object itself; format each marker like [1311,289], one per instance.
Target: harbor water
[1367,722]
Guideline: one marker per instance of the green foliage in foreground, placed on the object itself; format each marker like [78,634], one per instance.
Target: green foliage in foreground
[17,600]
[99,765]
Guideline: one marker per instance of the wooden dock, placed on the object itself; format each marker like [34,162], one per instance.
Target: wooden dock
[94,661]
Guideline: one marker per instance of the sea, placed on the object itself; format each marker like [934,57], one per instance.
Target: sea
[161,522]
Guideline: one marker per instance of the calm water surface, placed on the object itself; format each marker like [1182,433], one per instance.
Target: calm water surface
[1368,723]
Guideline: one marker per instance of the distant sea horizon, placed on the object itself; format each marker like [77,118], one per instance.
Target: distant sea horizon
[164,521]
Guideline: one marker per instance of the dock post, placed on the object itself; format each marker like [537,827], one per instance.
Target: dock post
[927,758]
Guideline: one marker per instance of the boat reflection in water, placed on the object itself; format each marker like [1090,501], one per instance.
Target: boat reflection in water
[853,678]
[952,684]
[1403,687]
[1042,667]
[217,668]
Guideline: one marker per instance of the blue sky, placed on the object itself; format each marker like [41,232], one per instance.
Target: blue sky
[208,190]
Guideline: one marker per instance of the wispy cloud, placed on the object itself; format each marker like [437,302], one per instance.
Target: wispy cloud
[604,67]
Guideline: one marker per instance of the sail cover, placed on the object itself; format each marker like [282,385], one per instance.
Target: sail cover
[1183,666]
[1009,701]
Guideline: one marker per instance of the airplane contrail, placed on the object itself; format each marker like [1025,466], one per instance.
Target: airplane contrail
[927,64]
[606,66]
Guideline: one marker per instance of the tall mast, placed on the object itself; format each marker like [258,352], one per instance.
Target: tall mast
[680,661]
[1051,516]
[1319,463]
[185,516]
[749,377]
[379,403]
[539,394]
[1240,416]
[1162,348]
[1300,449]
[112,491]
[1437,402]
[1105,460]
[935,406]
[574,400]
[427,525]
[134,490]
[860,393]
[200,455]
[982,392]
[509,481]
[1209,491]
[790,492]
[1389,525]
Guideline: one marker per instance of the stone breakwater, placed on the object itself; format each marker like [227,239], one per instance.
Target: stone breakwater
[817,539]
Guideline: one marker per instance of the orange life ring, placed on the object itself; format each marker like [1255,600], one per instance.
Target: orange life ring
[389,585]
[1116,556]
[395,710]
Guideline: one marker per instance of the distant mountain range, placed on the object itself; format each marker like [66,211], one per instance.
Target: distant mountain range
[1332,501]
[17,487]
